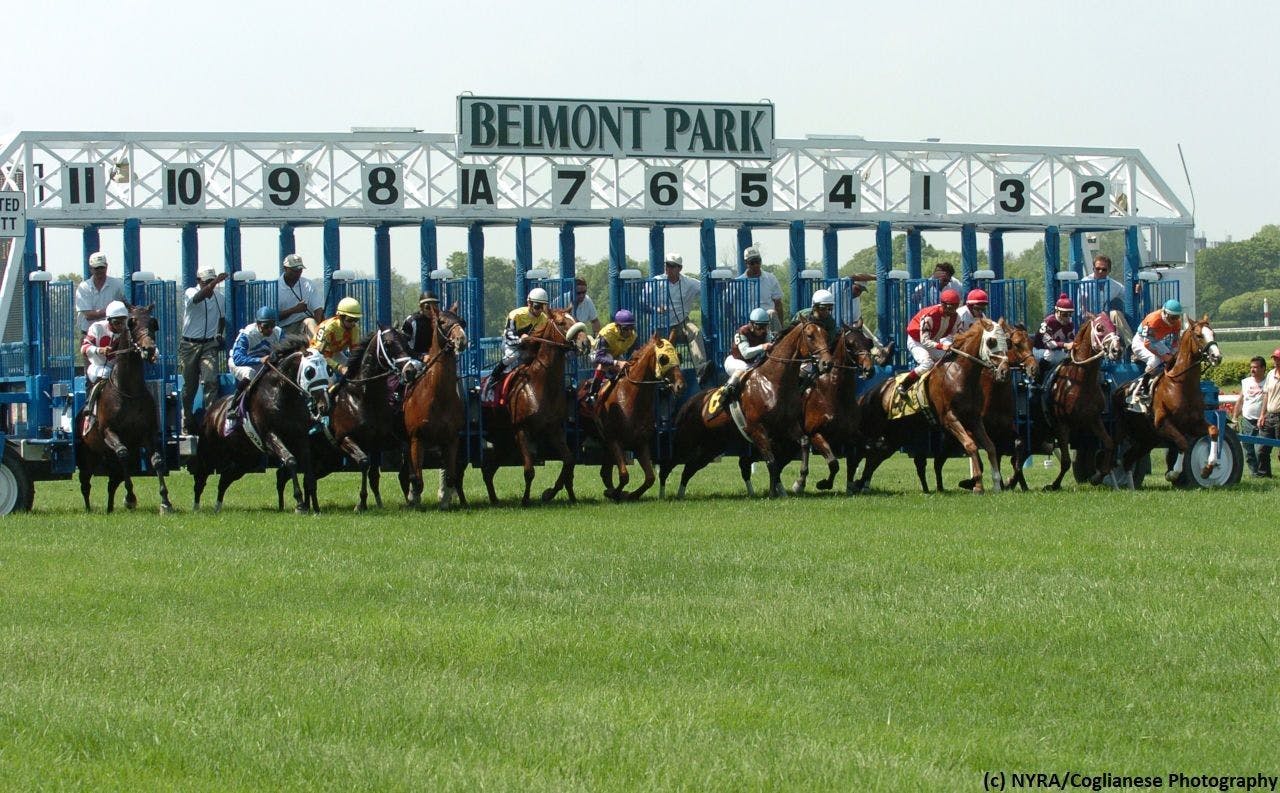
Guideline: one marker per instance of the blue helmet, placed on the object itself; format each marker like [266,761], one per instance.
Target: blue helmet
[1173,307]
[759,316]
[266,314]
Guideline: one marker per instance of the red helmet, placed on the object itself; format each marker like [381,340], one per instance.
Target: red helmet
[949,297]
[1064,303]
[976,296]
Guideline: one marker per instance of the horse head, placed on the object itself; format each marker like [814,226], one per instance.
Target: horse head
[988,344]
[312,378]
[1104,337]
[562,327]
[859,348]
[393,352]
[451,327]
[1199,343]
[1020,348]
[142,328]
[812,342]
[666,363]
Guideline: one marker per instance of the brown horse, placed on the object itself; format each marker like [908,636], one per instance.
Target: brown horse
[623,417]
[953,395]
[434,413]
[283,403]
[1177,406]
[771,410]
[536,408]
[831,412]
[126,420]
[1075,400]
[999,413]
[364,422]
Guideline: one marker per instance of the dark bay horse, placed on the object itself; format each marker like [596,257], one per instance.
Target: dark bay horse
[1177,406]
[285,401]
[126,421]
[771,403]
[831,412]
[536,408]
[624,418]
[1075,400]
[435,414]
[363,422]
[954,396]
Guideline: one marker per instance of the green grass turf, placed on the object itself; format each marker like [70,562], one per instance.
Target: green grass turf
[1248,349]
[889,641]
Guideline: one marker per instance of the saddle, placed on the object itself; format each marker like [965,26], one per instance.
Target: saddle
[913,402]
[1137,399]
[497,396]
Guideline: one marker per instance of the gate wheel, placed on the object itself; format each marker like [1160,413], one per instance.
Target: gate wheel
[16,489]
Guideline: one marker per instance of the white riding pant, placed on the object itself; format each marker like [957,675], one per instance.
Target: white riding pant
[925,357]
[243,372]
[1050,357]
[95,372]
[1149,359]
[733,364]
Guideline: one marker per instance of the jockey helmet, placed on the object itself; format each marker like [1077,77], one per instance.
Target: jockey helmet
[1064,303]
[349,307]
[823,298]
[759,316]
[266,314]
[538,295]
[428,297]
[949,297]
[1173,307]
[624,317]
[116,310]
[97,260]
[293,262]
[976,296]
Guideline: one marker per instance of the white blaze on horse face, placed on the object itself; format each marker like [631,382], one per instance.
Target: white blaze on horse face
[313,371]
[1211,345]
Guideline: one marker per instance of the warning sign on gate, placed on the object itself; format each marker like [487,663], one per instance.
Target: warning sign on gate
[13,214]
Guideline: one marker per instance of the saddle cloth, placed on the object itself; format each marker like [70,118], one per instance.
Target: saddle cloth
[913,402]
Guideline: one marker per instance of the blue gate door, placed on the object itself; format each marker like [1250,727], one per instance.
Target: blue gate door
[364,290]
[162,376]
[472,363]
[1008,300]
[1155,293]
[729,306]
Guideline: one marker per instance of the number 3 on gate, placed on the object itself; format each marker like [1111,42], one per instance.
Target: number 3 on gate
[1012,194]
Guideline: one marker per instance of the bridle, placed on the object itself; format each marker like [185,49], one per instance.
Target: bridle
[394,366]
[1202,357]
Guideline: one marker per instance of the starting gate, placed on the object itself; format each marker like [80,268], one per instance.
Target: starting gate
[246,298]
[162,375]
[848,306]
[729,305]
[1155,293]
[1094,296]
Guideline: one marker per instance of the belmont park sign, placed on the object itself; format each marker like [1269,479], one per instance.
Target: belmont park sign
[610,128]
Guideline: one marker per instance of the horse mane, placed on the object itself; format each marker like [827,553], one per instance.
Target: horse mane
[356,356]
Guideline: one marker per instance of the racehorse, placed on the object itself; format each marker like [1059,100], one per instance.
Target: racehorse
[952,394]
[126,419]
[286,399]
[999,413]
[434,412]
[623,416]
[363,422]
[535,408]
[1177,406]
[831,412]
[770,404]
[1075,400]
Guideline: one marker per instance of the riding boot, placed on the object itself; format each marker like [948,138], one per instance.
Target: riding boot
[91,405]
[733,387]
[235,409]
[490,391]
[905,386]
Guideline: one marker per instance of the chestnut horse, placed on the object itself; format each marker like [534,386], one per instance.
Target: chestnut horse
[285,401]
[831,412]
[623,417]
[771,402]
[126,421]
[954,396]
[535,409]
[1075,400]
[435,414]
[1177,406]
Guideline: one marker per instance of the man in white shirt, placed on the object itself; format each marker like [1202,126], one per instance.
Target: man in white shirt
[770,290]
[1251,408]
[94,293]
[1269,418]
[298,302]
[581,305]
[675,296]
[202,332]
[1114,295]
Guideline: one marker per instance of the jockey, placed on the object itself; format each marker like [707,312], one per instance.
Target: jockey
[521,324]
[929,335]
[96,348]
[612,346]
[338,336]
[750,347]
[974,309]
[821,306]
[418,327]
[253,345]
[1057,334]
[1153,343]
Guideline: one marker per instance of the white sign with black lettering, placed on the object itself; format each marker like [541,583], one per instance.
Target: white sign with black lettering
[478,186]
[843,190]
[928,193]
[755,193]
[13,214]
[382,186]
[283,187]
[571,187]
[84,186]
[1093,196]
[1012,193]
[183,187]
[663,187]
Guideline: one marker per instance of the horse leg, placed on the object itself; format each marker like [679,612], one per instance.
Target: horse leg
[199,477]
[606,477]
[451,475]
[122,459]
[761,441]
[225,479]
[375,477]
[289,463]
[282,479]
[113,483]
[158,465]
[744,470]
[411,472]
[526,458]
[1061,434]
[645,459]
[565,480]
[1180,441]
[798,486]
[86,482]
[620,462]
[349,447]
[1108,462]
[920,461]
[487,470]
[953,425]
[983,439]
[820,442]
[310,482]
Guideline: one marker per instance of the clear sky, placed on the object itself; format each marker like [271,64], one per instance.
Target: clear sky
[1148,75]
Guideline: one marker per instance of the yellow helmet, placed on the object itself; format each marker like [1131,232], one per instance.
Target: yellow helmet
[349,307]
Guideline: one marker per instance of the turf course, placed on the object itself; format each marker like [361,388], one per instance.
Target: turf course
[891,641]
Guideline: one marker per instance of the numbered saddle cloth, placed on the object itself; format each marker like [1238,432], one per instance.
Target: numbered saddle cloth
[913,402]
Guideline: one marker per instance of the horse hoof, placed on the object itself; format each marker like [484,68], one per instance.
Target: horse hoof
[825,485]
[301,510]
[524,502]
[165,509]
[1170,476]
[359,508]
[1051,487]
[797,488]
[548,494]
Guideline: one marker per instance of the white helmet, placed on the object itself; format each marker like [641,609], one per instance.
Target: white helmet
[538,295]
[823,298]
[116,310]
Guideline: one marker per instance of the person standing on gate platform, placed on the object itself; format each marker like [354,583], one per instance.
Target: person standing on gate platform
[675,302]
[1115,295]
[96,292]
[751,344]
[580,305]
[298,303]
[253,346]
[770,297]
[929,336]
[1056,336]
[419,327]
[613,345]
[96,348]
[203,324]
[1269,419]
[1250,409]
[517,342]
[944,276]
[1153,345]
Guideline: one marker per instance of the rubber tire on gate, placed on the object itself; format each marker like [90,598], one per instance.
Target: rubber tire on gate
[1230,460]
[14,476]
